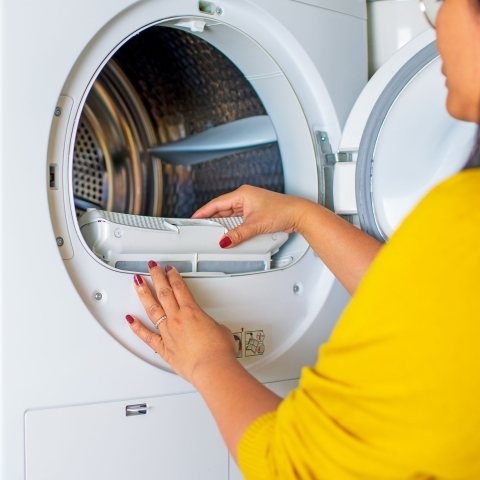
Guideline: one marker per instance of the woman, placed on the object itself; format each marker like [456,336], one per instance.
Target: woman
[394,394]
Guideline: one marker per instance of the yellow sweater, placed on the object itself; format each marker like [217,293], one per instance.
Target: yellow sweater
[395,393]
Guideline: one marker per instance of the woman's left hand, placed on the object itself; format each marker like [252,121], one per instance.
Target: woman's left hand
[187,333]
[201,351]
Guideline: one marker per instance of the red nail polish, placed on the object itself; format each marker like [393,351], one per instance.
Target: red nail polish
[138,279]
[168,268]
[225,242]
[152,264]
[130,319]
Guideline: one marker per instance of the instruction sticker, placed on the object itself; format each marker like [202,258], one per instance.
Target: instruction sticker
[254,343]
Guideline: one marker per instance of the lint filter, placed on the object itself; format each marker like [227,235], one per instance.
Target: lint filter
[128,242]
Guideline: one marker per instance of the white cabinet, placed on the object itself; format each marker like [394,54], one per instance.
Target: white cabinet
[176,439]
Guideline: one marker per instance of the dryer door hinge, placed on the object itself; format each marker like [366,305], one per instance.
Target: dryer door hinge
[326,168]
[336,177]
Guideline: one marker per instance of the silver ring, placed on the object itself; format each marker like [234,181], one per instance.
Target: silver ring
[160,320]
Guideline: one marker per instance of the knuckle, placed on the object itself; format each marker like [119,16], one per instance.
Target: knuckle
[189,309]
[143,292]
[154,310]
[164,292]
[149,337]
[237,235]
[178,285]
[136,327]
[156,273]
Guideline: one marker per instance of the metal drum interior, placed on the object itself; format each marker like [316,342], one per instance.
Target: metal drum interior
[162,86]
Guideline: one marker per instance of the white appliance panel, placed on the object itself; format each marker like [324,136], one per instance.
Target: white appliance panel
[175,439]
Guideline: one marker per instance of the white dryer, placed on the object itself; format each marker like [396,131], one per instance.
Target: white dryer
[83,112]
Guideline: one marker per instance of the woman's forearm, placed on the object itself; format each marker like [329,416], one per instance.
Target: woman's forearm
[347,251]
[235,398]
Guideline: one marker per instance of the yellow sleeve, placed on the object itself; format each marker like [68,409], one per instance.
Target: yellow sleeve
[255,447]
[394,394]
[302,441]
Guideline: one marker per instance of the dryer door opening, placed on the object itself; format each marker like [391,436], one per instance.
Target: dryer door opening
[169,124]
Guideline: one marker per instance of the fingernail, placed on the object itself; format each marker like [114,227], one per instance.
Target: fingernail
[138,279]
[168,268]
[152,264]
[225,242]
[130,319]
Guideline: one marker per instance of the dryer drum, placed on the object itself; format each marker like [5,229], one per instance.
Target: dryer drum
[162,86]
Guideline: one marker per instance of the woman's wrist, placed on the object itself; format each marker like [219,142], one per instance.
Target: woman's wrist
[304,210]
[213,368]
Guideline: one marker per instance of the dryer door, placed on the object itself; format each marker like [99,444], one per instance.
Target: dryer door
[399,141]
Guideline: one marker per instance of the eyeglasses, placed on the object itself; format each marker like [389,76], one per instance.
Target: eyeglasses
[430,8]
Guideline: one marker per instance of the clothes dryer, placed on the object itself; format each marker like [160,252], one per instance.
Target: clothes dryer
[76,387]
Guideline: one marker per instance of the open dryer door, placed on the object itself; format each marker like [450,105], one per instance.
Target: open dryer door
[399,141]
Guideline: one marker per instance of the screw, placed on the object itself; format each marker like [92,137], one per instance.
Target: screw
[58,111]
[296,289]
[60,241]
[219,11]
[98,296]
[118,233]
[275,236]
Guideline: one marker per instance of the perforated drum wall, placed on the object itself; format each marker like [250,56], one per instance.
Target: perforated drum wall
[186,86]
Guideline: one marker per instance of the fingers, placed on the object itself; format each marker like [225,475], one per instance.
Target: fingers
[180,289]
[153,309]
[153,340]
[223,205]
[163,289]
[239,235]
[224,213]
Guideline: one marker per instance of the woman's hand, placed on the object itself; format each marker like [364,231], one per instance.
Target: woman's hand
[187,334]
[346,251]
[201,351]
[263,212]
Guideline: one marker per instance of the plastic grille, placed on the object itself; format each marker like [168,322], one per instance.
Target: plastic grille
[228,222]
[152,223]
[88,166]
